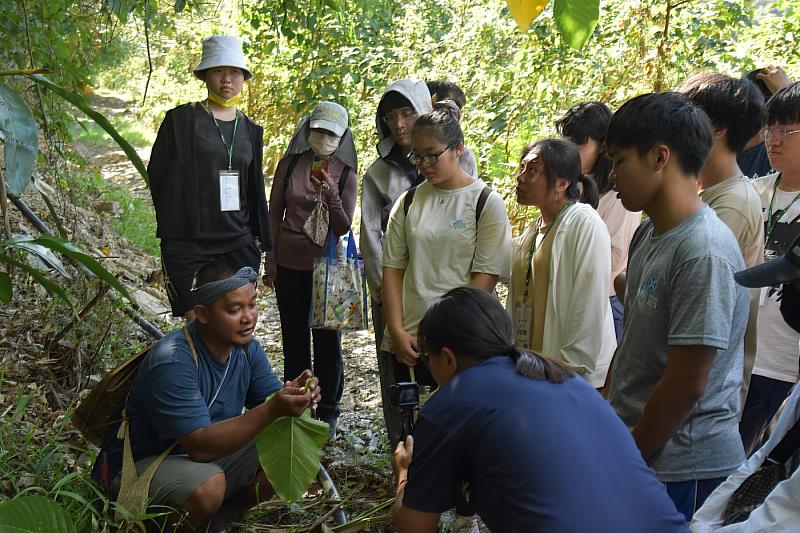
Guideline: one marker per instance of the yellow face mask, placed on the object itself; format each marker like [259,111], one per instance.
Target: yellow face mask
[222,102]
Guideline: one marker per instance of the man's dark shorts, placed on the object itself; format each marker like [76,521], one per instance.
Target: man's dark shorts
[178,476]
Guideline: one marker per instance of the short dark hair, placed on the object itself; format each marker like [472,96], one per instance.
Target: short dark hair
[733,104]
[784,106]
[753,77]
[447,90]
[589,120]
[561,159]
[668,118]
[474,326]
[443,121]
[215,270]
[584,121]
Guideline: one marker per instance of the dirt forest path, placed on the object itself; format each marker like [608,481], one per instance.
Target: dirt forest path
[358,458]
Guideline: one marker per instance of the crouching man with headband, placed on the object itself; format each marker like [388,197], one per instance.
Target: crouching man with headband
[189,395]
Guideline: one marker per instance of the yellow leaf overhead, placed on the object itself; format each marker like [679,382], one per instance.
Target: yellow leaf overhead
[526,11]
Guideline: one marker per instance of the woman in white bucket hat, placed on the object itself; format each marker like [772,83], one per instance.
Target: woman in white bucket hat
[206,177]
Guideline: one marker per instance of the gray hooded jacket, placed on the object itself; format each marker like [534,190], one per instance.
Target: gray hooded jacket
[384,181]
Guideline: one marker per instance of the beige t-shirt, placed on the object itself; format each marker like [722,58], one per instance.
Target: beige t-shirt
[738,205]
[621,225]
[439,246]
[778,344]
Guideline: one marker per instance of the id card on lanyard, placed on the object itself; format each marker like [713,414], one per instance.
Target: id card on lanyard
[523,314]
[228,179]
[229,190]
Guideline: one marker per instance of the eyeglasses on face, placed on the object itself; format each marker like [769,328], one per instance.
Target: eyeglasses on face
[394,118]
[779,134]
[429,159]
[530,172]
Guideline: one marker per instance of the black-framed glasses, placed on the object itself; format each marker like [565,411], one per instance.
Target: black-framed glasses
[393,118]
[429,159]
[780,134]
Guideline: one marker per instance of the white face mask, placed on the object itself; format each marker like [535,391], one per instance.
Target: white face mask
[323,144]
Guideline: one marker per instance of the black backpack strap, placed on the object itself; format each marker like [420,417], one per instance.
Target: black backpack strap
[408,199]
[290,170]
[788,445]
[482,198]
[481,203]
[343,179]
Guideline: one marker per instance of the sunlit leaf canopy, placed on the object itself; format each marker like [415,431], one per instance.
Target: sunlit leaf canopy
[303,51]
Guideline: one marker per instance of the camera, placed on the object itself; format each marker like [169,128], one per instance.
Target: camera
[405,396]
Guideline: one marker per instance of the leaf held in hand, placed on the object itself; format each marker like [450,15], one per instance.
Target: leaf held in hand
[289,450]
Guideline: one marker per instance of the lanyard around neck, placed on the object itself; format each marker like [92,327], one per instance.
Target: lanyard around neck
[228,147]
[780,212]
[533,247]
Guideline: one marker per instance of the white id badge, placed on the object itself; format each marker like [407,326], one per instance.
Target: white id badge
[522,324]
[764,296]
[229,190]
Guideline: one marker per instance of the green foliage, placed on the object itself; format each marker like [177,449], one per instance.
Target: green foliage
[73,252]
[136,134]
[576,20]
[135,221]
[61,246]
[41,279]
[34,514]
[37,459]
[5,287]
[289,450]
[18,134]
[79,102]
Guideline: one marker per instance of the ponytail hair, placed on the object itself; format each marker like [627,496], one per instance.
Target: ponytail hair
[534,366]
[475,327]
[587,191]
[443,122]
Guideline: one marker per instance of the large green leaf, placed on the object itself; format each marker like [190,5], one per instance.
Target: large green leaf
[70,250]
[5,287]
[34,514]
[39,277]
[289,450]
[576,20]
[18,133]
[79,102]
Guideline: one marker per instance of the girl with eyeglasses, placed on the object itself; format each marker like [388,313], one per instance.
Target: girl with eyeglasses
[435,240]
[447,232]
[561,264]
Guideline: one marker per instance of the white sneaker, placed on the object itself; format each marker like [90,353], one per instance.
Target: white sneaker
[466,524]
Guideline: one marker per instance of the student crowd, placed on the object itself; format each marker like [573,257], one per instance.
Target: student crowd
[628,376]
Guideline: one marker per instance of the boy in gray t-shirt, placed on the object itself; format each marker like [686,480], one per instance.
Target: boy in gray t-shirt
[677,373]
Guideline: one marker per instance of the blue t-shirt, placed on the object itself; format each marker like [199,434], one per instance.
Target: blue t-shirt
[170,395]
[754,161]
[536,456]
